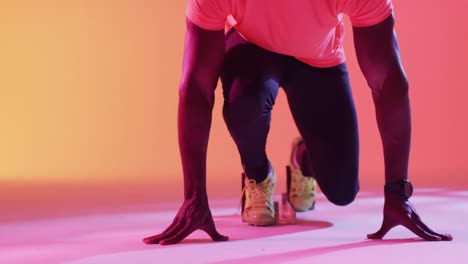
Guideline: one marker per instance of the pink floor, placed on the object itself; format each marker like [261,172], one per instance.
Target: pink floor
[329,234]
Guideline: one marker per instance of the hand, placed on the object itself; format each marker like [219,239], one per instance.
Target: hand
[192,215]
[398,211]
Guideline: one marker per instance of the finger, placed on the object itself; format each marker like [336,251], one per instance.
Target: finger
[213,233]
[155,239]
[179,236]
[420,223]
[170,231]
[413,227]
[386,226]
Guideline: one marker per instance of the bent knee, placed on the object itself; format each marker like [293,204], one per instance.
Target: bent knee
[343,198]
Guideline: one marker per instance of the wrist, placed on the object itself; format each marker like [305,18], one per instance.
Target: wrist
[402,189]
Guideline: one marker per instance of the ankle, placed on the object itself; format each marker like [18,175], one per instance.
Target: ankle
[259,174]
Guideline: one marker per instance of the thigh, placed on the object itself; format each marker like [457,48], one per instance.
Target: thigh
[249,72]
[322,106]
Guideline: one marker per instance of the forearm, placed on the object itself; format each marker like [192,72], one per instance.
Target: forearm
[194,122]
[393,116]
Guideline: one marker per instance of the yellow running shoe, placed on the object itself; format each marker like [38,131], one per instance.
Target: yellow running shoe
[301,189]
[258,207]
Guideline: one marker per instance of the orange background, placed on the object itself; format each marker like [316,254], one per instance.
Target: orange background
[89,89]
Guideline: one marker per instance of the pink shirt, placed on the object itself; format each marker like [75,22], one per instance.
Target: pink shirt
[310,30]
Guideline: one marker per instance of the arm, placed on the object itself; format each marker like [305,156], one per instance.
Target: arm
[379,58]
[203,59]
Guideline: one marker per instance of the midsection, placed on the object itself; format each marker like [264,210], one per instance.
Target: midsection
[307,29]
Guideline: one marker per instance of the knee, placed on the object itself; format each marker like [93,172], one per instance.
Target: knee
[342,196]
[343,199]
[247,105]
[243,111]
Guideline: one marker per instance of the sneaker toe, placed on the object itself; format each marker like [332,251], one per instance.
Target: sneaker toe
[260,218]
[301,204]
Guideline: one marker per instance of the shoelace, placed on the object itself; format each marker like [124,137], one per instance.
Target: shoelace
[260,193]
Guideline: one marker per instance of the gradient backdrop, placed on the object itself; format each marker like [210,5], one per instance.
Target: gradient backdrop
[89,89]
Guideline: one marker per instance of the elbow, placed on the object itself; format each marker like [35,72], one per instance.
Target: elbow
[389,83]
[195,93]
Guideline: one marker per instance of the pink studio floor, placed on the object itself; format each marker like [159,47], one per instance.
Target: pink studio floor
[329,234]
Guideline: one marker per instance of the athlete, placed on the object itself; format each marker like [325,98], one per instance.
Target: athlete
[296,45]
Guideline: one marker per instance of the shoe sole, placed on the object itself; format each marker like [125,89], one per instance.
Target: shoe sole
[261,223]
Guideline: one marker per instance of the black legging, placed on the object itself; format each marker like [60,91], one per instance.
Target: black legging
[321,104]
